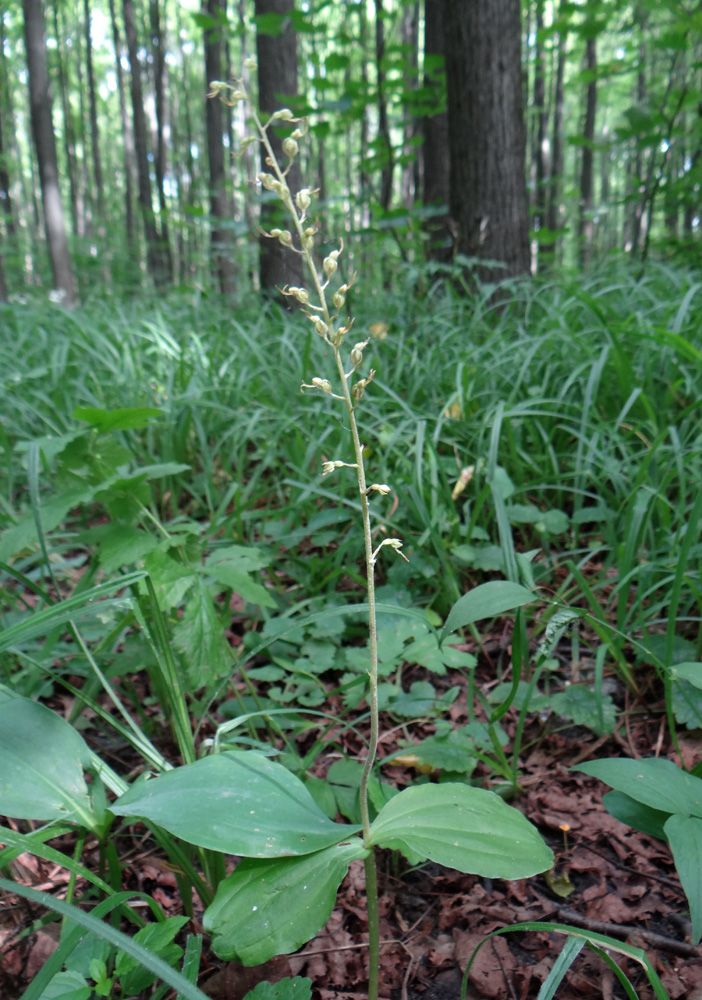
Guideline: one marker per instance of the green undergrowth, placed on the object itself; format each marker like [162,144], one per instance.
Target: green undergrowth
[550,436]
[572,409]
[166,529]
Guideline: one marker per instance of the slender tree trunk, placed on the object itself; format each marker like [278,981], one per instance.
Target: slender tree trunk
[585,223]
[222,262]
[277,85]
[69,132]
[159,64]
[540,148]
[554,218]
[6,202]
[127,137]
[45,145]
[387,161]
[8,215]
[410,42]
[155,261]
[435,149]
[86,200]
[94,129]
[487,137]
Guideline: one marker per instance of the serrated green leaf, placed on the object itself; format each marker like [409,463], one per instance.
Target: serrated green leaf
[158,938]
[122,545]
[297,988]
[273,907]
[586,708]
[689,672]
[233,571]
[199,635]
[469,829]
[237,802]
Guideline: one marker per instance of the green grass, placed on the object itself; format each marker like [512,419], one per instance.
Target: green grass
[578,397]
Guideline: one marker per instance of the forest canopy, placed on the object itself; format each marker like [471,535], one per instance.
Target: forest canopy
[152,183]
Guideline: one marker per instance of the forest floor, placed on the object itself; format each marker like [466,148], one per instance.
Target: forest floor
[608,879]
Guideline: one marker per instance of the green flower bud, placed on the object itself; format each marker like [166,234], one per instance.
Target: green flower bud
[303,199]
[290,147]
[267,181]
[339,300]
[320,326]
[301,294]
[329,266]
[285,238]
[322,383]
[357,353]
[284,115]
[358,389]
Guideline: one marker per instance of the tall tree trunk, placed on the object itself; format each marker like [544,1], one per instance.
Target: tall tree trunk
[435,149]
[487,138]
[127,136]
[585,222]
[45,145]
[6,202]
[386,159]
[94,129]
[156,264]
[69,130]
[8,215]
[219,234]
[540,148]
[277,84]
[554,212]
[410,42]
[159,64]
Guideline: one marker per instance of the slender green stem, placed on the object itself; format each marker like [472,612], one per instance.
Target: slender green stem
[373,925]
[335,338]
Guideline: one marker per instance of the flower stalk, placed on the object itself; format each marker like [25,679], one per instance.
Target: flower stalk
[328,326]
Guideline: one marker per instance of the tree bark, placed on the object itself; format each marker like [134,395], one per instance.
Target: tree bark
[219,235]
[386,158]
[155,261]
[410,42]
[277,84]
[159,67]
[554,211]
[45,145]
[127,137]
[435,149]
[94,129]
[540,150]
[585,223]
[487,137]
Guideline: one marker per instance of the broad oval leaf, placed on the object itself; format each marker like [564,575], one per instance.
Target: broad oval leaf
[635,814]
[268,908]
[486,601]
[42,759]
[237,802]
[656,782]
[685,838]
[465,828]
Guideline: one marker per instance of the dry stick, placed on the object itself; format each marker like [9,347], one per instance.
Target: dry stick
[626,930]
